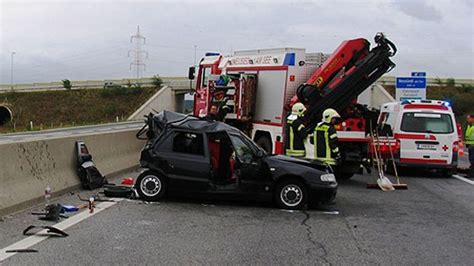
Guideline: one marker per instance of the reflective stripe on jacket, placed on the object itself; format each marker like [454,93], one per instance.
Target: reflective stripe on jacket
[325,143]
[294,140]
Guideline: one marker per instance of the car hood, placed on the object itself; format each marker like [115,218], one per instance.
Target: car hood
[278,160]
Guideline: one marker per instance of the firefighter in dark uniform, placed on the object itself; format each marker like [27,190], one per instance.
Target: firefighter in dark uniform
[294,136]
[326,146]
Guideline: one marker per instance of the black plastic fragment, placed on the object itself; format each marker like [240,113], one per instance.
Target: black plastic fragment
[50,230]
[23,250]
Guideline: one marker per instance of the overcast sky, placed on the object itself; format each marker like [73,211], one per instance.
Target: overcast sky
[79,40]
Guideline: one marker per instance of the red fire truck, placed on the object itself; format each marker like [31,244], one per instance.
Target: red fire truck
[254,89]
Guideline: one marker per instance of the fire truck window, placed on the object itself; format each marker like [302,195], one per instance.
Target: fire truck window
[387,119]
[391,119]
[205,76]
[382,118]
[190,143]
[385,124]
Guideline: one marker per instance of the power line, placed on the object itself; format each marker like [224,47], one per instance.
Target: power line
[137,52]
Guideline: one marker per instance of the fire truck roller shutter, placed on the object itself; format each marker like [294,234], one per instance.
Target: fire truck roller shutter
[270,95]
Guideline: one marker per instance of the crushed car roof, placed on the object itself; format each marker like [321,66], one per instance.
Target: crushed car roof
[167,119]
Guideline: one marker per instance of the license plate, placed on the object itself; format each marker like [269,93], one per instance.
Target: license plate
[430,147]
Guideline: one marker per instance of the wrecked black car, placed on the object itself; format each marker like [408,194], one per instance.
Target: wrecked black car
[186,155]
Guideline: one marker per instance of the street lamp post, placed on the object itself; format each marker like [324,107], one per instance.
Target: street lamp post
[194,55]
[11,68]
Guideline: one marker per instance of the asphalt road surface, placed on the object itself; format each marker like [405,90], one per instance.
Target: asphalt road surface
[430,223]
[66,132]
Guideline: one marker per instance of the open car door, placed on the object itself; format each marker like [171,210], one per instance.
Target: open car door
[252,173]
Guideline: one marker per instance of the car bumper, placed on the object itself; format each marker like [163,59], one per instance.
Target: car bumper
[450,166]
[323,193]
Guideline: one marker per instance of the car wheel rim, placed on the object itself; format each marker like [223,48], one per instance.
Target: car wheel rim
[150,185]
[291,195]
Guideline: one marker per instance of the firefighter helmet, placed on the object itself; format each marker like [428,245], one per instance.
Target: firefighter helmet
[298,109]
[329,114]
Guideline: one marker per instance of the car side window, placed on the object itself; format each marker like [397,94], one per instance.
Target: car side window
[187,142]
[242,150]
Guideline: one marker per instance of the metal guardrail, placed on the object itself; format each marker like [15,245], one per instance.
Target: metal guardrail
[181,85]
[86,84]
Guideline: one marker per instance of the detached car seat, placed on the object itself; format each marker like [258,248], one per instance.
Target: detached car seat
[88,173]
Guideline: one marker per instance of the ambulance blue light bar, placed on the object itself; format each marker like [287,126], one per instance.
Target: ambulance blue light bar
[447,104]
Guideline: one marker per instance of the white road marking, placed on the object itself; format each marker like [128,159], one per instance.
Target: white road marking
[331,212]
[464,179]
[35,239]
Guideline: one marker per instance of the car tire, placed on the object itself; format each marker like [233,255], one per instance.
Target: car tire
[291,194]
[150,186]
[265,143]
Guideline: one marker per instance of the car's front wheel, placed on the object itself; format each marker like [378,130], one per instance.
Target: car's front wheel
[150,186]
[291,194]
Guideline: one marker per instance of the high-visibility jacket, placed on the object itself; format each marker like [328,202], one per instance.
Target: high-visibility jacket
[294,138]
[469,136]
[326,146]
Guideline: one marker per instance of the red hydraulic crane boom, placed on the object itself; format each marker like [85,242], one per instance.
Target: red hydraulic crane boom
[344,75]
[346,54]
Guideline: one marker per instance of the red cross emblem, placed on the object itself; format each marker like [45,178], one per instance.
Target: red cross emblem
[445,148]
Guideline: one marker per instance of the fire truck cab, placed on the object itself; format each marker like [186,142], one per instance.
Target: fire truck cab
[425,132]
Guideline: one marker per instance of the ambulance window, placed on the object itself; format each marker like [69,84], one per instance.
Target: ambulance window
[427,123]
[205,75]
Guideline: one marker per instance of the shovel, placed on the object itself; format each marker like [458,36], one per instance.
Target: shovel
[383,182]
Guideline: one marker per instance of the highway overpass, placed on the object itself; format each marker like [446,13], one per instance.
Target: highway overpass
[94,84]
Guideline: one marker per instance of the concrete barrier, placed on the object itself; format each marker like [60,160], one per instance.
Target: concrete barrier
[164,99]
[26,168]
[170,97]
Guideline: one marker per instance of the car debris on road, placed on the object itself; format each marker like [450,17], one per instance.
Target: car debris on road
[22,250]
[50,231]
[52,212]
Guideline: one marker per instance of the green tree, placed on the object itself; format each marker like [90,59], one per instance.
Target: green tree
[157,81]
[67,84]
[450,82]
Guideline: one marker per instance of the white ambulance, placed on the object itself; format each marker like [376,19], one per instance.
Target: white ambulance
[425,132]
